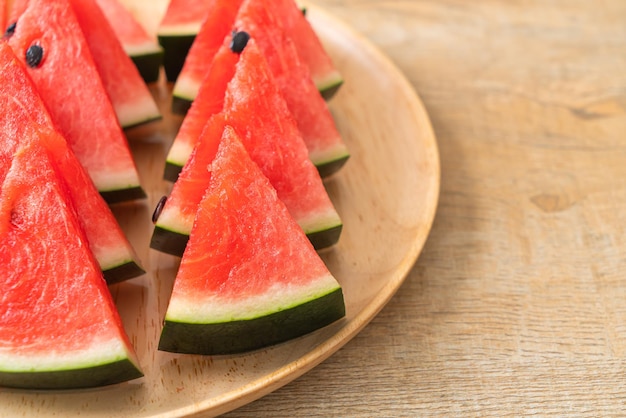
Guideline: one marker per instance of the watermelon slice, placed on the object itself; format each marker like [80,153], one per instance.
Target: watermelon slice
[254,107]
[177,31]
[249,278]
[21,106]
[143,49]
[217,24]
[58,325]
[210,100]
[88,122]
[129,94]
[326,147]
[325,76]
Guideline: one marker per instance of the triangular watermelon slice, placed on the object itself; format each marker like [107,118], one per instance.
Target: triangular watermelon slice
[20,106]
[217,24]
[209,101]
[249,277]
[129,94]
[325,76]
[59,327]
[326,147]
[254,107]
[142,48]
[177,30]
[49,31]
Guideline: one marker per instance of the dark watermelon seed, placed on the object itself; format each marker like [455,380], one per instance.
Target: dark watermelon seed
[158,209]
[304,11]
[10,30]
[34,55]
[239,42]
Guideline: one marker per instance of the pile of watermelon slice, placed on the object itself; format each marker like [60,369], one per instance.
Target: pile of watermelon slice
[247,211]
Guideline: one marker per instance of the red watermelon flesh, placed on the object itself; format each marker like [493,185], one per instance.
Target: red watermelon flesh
[3,15]
[326,77]
[210,100]
[217,24]
[20,106]
[138,44]
[249,277]
[177,31]
[58,325]
[326,147]
[254,107]
[129,94]
[69,84]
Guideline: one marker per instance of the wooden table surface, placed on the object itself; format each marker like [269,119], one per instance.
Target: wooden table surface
[517,304]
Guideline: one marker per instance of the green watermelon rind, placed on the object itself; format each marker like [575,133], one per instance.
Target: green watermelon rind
[148,58]
[118,371]
[329,87]
[148,65]
[101,363]
[123,271]
[175,49]
[267,328]
[123,194]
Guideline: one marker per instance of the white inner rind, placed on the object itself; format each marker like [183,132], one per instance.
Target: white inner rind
[328,80]
[115,180]
[111,257]
[179,153]
[146,48]
[53,358]
[320,222]
[174,220]
[181,29]
[137,111]
[186,88]
[319,157]
[213,308]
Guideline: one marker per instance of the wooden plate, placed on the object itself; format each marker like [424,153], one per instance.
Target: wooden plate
[386,194]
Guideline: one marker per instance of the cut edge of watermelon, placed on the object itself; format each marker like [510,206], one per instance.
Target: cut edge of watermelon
[329,85]
[119,271]
[119,182]
[98,353]
[136,113]
[103,363]
[315,306]
[279,297]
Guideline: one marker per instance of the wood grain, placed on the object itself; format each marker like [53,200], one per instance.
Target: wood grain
[517,305]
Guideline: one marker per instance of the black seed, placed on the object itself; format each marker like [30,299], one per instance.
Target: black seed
[34,55]
[158,209]
[10,30]
[304,11]
[239,42]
